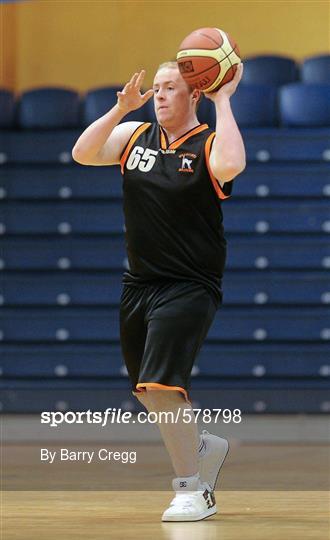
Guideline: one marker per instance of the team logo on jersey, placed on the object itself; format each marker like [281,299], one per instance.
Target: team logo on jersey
[167,151]
[186,162]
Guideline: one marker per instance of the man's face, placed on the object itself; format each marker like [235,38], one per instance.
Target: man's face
[172,97]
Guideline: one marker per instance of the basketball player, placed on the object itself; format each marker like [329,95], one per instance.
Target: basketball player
[176,173]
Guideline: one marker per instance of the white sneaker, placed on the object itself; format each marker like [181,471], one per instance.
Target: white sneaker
[213,452]
[193,500]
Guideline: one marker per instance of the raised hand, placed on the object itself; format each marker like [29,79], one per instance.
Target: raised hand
[130,98]
[229,88]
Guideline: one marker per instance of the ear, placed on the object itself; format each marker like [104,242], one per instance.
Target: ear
[196,94]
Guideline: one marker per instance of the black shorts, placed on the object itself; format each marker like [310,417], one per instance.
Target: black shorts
[162,328]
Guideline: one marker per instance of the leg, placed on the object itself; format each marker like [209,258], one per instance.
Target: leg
[180,438]
[212,449]
[175,330]
[178,319]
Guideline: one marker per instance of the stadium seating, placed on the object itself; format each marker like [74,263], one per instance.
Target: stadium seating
[254,360]
[38,146]
[101,324]
[48,108]
[316,69]
[305,105]
[62,255]
[99,217]
[269,69]
[92,288]
[269,179]
[7,109]
[255,105]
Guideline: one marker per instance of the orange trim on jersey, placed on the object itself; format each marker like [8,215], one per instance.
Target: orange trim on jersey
[163,143]
[215,182]
[163,387]
[175,144]
[130,143]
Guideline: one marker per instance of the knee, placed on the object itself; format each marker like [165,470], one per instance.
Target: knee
[159,399]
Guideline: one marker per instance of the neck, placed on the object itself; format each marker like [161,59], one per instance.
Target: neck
[175,132]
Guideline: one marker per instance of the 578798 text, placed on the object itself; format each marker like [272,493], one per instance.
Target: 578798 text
[214,415]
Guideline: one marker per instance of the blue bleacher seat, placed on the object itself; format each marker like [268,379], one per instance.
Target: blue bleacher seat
[286,179]
[7,109]
[276,252]
[316,69]
[62,253]
[92,288]
[64,182]
[258,360]
[63,217]
[48,108]
[99,101]
[263,216]
[292,287]
[244,252]
[255,105]
[38,146]
[305,105]
[268,216]
[102,324]
[269,69]
[263,360]
[287,144]
[61,360]
[83,288]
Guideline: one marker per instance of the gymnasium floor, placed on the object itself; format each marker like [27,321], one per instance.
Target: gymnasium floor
[274,485]
[262,515]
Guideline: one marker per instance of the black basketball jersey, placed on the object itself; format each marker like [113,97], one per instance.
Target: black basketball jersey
[172,207]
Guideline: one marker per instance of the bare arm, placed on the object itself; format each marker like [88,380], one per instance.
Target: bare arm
[103,141]
[227,158]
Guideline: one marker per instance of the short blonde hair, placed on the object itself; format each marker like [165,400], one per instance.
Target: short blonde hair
[172,64]
[169,64]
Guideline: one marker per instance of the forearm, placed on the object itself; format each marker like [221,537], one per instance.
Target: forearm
[94,137]
[228,146]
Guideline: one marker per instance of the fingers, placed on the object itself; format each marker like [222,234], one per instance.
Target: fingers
[139,79]
[126,88]
[239,71]
[135,82]
[130,84]
[147,95]
[133,79]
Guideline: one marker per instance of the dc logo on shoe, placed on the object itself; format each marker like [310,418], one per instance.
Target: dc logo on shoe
[183,484]
[209,498]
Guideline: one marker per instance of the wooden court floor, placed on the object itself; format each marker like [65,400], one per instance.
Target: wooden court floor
[74,508]
[257,515]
